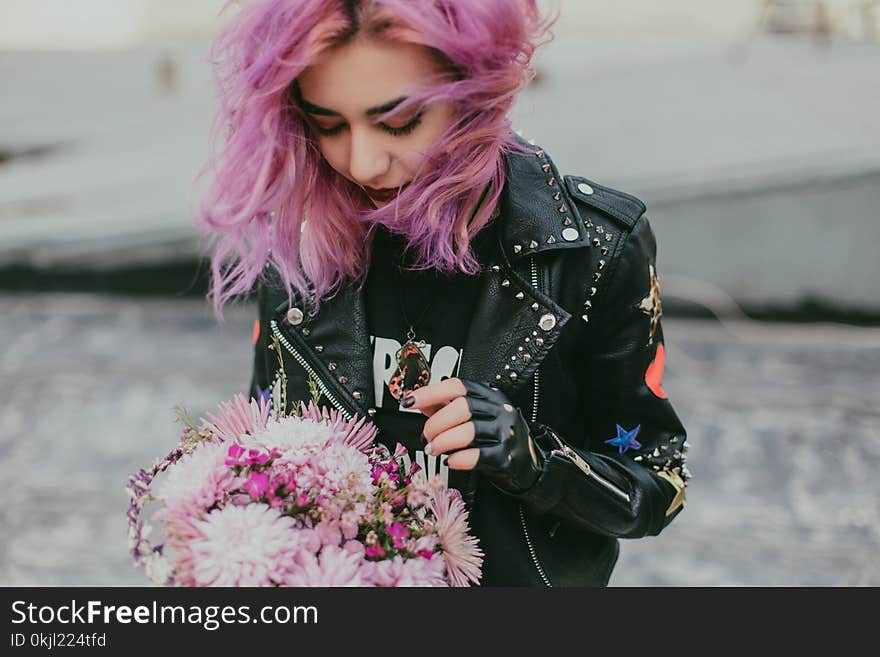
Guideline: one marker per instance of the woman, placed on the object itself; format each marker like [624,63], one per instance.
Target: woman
[418,263]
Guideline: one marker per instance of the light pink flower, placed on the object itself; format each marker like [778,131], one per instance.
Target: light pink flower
[195,482]
[238,417]
[402,572]
[335,566]
[249,545]
[463,558]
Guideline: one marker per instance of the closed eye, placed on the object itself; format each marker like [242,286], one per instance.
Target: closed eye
[392,130]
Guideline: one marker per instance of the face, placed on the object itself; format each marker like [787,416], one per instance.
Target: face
[344,92]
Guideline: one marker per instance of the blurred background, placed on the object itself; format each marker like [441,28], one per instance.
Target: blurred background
[749,127]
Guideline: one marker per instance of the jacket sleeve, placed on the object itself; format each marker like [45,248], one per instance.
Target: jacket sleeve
[625,475]
[260,372]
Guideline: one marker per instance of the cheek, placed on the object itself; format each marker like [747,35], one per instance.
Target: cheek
[335,153]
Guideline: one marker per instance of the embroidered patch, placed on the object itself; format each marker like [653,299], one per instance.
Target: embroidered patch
[654,373]
[651,306]
[256,330]
[626,439]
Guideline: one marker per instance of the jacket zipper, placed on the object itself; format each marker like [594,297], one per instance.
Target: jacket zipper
[324,388]
[534,271]
[574,457]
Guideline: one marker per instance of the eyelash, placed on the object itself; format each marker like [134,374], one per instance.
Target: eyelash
[397,132]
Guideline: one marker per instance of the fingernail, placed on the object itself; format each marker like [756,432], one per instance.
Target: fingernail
[429,449]
[408,401]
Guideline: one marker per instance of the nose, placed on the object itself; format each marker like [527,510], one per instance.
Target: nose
[368,160]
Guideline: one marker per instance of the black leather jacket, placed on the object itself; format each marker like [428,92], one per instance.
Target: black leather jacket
[567,325]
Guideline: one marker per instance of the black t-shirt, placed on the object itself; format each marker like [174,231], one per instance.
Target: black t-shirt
[440,307]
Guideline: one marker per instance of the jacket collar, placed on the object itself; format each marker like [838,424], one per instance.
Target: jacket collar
[514,325]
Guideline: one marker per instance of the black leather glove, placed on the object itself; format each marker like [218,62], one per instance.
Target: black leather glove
[502,436]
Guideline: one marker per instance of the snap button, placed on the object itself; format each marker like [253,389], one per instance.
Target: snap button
[584,188]
[295,316]
[570,234]
[547,322]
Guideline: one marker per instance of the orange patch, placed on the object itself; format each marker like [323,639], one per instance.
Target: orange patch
[256,330]
[654,375]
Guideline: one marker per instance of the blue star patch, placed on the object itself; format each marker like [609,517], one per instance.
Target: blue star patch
[626,439]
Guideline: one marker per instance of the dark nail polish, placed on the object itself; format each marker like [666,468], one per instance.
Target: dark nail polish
[446,461]
[422,436]
[408,401]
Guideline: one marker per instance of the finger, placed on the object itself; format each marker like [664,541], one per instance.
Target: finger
[451,439]
[454,413]
[437,393]
[465,459]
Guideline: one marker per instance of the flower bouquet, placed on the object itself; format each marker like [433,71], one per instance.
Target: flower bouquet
[252,498]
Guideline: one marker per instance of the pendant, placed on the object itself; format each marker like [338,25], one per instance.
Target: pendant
[413,370]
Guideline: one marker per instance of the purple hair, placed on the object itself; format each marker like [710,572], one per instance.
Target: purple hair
[272,197]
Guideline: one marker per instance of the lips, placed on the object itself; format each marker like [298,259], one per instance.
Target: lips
[385,194]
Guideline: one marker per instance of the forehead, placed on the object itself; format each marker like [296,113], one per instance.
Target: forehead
[364,73]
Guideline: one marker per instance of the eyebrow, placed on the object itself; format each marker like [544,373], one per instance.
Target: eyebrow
[373,111]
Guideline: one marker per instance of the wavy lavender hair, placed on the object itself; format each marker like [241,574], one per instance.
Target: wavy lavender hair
[273,199]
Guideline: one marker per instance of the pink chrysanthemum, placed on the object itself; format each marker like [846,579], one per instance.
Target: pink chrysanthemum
[196,481]
[296,439]
[402,572]
[238,417]
[464,559]
[357,433]
[249,545]
[335,566]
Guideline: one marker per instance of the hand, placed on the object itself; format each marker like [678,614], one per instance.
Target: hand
[480,429]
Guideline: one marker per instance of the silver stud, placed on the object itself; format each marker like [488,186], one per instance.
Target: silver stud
[597,276]
[588,223]
[551,182]
[588,304]
[566,222]
[507,367]
[677,455]
[663,448]
[520,348]
[674,439]
[319,348]
[534,333]
[545,168]
[570,234]
[685,473]
[601,264]
[593,291]
[535,306]
[331,367]
[656,452]
[609,236]
[656,467]
[505,283]
[306,332]
[528,339]
[600,229]
[527,358]
[685,446]
[604,250]
[513,376]
[519,295]
[561,208]
[517,248]
[343,380]
[585,318]
[356,395]
[596,241]
[371,412]
[637,458]
[539,342]
[295,316]
[547,321]
[513,357]
[584,188]
[497,377]
[539,153]
[533,244]
[496,268]
[557,196]
[551,240]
